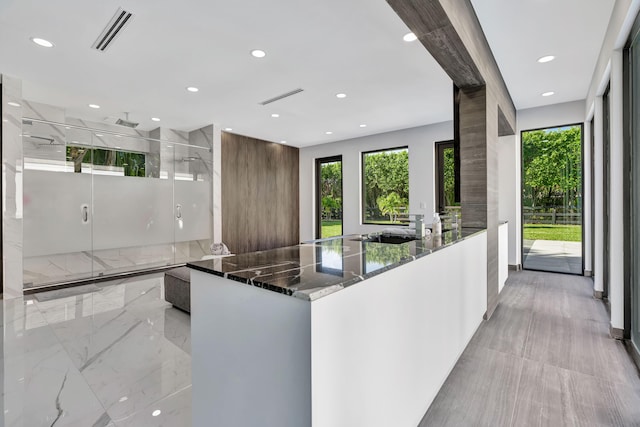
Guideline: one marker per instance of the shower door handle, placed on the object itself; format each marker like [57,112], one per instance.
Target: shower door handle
[85,213]
[178,211]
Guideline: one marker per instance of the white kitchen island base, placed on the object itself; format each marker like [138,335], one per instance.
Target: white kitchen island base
[373,354]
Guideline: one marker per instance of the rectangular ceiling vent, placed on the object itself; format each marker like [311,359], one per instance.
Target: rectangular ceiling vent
[112,30]
[279,97]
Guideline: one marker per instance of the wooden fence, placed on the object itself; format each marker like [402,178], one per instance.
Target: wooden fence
[551,216]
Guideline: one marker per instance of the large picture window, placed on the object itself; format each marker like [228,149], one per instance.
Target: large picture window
[385,186]
[107,161]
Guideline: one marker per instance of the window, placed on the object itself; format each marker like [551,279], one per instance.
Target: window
[552,199]
[385,186]
[108,162]
[446,202]
[329,197]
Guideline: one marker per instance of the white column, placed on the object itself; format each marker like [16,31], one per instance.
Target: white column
[217,184]
[12,187]
[587,202]
[616,217]
[598,198]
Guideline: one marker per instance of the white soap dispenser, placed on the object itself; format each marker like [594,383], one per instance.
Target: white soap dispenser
[436,227]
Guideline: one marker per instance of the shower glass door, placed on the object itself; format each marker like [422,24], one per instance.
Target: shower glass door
[132,203]
[57,195]
[193,198]
[99,203]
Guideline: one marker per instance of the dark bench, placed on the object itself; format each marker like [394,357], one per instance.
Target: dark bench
[177,288]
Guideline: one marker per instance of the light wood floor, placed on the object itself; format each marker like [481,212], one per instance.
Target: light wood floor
[545,358]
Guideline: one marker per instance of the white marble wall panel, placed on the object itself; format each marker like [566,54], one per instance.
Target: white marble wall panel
[124,130]
[12,168]
[217,184]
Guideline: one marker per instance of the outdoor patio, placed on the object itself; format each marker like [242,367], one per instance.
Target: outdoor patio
[553,255]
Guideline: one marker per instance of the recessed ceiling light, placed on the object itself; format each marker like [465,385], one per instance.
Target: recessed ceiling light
[328,132]
[192,89]
[548,93]
[257,53]
[117,146]
[123,399]
[363,126]
[341,95]
[283,142]
[228,129]
[94,106]
[156,413]
[275,115]
[13,104]
[99,135]
[547,58]
[409,37]
[155,119]
[41,42]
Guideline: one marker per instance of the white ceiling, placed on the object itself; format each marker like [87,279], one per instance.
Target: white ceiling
[521,31]
[324,47]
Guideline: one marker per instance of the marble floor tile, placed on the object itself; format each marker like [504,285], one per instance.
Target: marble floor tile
[171,411]
[99,355]
[43,388]
[140,365]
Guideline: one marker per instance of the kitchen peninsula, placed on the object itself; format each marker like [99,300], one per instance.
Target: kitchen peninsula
[334,332]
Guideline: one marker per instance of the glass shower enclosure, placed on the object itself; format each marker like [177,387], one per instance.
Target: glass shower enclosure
[101,203]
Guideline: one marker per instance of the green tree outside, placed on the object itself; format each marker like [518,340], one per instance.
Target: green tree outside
[331,198]
[385,172]
[552,183]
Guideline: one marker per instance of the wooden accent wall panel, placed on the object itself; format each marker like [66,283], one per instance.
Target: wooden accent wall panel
[260,198]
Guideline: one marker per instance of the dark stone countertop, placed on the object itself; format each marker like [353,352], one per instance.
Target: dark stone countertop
[318,268]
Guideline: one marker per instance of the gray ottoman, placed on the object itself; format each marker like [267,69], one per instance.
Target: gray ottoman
[177,288]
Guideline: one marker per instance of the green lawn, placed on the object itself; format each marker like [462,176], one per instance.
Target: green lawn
[331,228]
[566,233]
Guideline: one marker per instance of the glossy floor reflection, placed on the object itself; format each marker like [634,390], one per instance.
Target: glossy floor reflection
[109,354]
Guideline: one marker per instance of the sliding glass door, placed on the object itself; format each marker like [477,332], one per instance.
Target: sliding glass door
[329,197]
[99,203]
[552,199]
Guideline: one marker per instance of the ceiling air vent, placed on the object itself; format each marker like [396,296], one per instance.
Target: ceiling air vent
[112,30]
[279,97]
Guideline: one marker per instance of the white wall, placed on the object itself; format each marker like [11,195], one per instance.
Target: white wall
[552,115]
[420,141]
[508,193]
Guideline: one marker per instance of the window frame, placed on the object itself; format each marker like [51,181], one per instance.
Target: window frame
[363,188]
[318,177]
